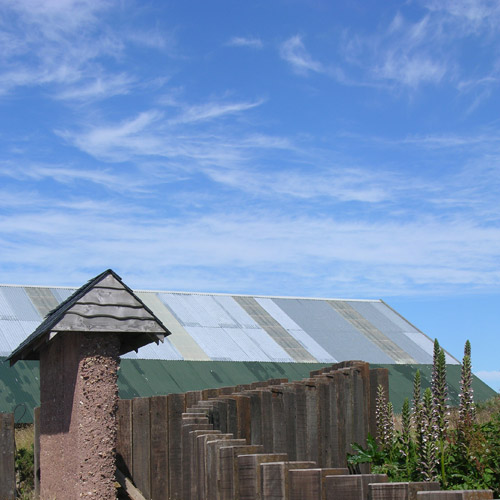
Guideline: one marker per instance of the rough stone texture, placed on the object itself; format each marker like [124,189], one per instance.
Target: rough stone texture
[79,395]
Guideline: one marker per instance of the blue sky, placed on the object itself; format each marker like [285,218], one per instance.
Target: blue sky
[305,148]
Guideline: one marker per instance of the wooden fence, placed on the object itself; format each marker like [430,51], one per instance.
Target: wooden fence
[7,457]
[181,446]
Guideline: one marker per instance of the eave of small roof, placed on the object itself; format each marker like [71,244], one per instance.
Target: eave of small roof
[54,316]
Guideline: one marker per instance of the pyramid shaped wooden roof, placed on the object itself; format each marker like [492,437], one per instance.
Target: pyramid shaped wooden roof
[103,305]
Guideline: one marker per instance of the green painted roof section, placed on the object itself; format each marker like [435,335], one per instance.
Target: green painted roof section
[20,384]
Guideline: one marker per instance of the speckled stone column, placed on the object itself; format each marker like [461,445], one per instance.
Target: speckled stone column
[79,395]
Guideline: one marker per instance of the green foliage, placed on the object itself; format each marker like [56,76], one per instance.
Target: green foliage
[24,471]
[427,448]
[474,462]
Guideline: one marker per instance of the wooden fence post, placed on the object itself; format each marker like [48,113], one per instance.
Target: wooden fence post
[7,457]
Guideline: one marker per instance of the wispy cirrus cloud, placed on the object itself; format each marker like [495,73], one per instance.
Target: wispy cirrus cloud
[97,88]
[294,52]
[197,134]
[428,49]
[213,110]
[63,45]
[341,184]
[250,42]
[318,253]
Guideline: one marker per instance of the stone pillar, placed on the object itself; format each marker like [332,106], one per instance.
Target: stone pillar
[79,395]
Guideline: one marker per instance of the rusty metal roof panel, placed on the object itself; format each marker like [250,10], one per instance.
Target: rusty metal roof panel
[296,332]
[243,328]
[239,315]
[392,330]
[330,330]
[414,334]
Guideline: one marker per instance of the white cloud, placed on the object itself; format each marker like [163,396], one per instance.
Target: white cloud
[211,110]
[479,17]
[353,257]
[251,42]
[411,71]
[197,134]
[66,46]
[294,52]
[97,88]
[341,184]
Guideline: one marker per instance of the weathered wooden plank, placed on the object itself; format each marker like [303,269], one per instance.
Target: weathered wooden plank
[7,457]
[213,465]
[368,479]
[110,281]
[195,462]
[201,446]
[109,297]
[249,473]
[118,312]
[243,417]
[274,477]
[300,421]
[311,421]
[305,484]
[266,419]
[176,407]
[336,429]
[187,457]
[278,420]
[346,487]
[255,417]
[128,486]
[124,436]
[74,322]
[289,422]
[141,451]
[232,416]
[324,428]
[229,488]
[159,447]
[388,491]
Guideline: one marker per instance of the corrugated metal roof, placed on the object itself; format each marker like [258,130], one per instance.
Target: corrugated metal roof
[19,385]
[245,328]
